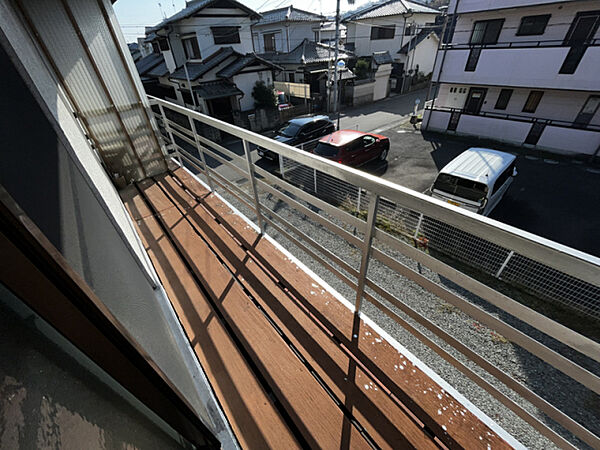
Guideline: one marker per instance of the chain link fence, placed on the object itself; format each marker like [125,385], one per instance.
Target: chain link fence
[428,233]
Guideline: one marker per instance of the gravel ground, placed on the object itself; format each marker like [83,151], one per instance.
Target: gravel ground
[556,388]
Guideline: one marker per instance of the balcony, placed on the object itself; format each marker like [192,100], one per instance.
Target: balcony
[232,239]
[520,64]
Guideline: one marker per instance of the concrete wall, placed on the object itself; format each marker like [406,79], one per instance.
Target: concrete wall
[382,78]
[245,83]
[363,93]
[359,33]
[54,175]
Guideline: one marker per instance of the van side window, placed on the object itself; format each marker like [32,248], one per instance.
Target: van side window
[503,178]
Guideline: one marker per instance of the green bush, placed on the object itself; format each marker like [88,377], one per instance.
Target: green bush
[362,69]
[263,95]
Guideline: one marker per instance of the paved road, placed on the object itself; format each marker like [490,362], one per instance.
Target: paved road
[553,197]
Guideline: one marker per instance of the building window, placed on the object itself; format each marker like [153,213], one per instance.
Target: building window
[190,47]
[163,43]
[386,32]
[155,47]
[226,35]
[316,32]
[409,30]
[486,31]
[533,25]
[291,77]
[588,111]
[533,101]
[187,97]
[269,40]
[503,99]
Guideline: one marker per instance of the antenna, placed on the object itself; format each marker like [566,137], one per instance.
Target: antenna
[164,16]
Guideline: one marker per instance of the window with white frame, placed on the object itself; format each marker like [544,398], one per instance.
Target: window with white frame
[190,47]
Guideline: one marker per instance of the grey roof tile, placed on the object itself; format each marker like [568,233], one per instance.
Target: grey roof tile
[216,89]
[289,13]
[420,38]
[308,52]
[382,58]
[243,62]
[196,70]
[159,71]
[148,62]
[390,8]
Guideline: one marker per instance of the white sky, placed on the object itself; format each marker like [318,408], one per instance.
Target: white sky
[134,15]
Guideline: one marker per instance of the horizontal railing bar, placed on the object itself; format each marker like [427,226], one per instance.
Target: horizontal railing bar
[180,128]
[190,160]
[334,228]
[505,400]
[228,188]
[216,147]
[224,161]
[549,409]
[536,348]
[313,200]
[184,137]
[573,262]
[303,247]
[233,186]
[542,323]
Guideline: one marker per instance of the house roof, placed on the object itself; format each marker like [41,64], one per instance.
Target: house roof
[390,8]
[158,71]
[148,62]
[419,38]
[196,70]
[194,6]
[242,62]
[382,58]
[216,89]
[289,14]
[308,52]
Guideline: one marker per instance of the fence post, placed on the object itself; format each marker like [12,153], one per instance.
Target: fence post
[201,153]
[168,128]
[252,177]
[504,264]
[358,200]
[366,252]
[418,226]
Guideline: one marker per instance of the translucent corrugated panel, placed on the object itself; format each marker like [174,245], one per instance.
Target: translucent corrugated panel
[88,62]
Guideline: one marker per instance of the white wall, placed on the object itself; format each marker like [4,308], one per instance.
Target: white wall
[382,78]
[523,67]
[484,5]
[297,32]
[423,55]
[245,83]
[359,33]
[562,15]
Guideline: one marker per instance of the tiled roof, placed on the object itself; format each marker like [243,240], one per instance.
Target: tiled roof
[159,71]
[196,70]
[216,89]
[195,6]
[148,62]
[390,8]
[242,62]
[382,58]
[308,52]
[290,14]
[419,38]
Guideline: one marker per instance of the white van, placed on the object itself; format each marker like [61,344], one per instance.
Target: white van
[476,179]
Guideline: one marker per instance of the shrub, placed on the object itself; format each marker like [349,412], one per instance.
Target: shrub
[361,69]
[263,95]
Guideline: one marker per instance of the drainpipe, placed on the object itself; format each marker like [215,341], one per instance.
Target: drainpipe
[441,64]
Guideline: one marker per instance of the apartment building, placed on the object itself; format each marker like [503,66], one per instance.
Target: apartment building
[521,72]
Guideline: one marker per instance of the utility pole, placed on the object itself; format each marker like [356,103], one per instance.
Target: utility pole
[335,59]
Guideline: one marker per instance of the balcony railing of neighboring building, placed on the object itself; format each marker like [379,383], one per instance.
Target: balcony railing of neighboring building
[396,230]
[517,44]
[515,117]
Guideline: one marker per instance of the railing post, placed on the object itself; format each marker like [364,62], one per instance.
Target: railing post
[366,251]
[418,228]
[201,153]
[281,166]
[503,266]
[168,128]
[252,177]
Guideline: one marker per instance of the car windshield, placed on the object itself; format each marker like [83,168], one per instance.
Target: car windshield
[326,150]
[281,98]
[467,189]
[289,129]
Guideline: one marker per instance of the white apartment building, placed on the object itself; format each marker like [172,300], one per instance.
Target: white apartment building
[525,72]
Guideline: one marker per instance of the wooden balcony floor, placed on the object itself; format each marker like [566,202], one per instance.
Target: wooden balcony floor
[278,348]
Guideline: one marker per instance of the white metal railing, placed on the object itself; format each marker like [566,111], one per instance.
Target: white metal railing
[365,230]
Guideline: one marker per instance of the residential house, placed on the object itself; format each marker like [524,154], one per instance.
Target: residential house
[283,29]
[327,32]
[311,63]
[523,73]
[203,58]
[389,26]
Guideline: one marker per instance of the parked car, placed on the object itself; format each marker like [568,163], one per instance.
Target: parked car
[352,147]
[476,179]
[300,130]
[282,100]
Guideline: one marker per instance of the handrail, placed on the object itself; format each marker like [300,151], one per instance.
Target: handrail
[519,44]
[516,117]
[380,193]
[568,260]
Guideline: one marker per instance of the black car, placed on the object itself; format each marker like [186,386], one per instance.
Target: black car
[300,130]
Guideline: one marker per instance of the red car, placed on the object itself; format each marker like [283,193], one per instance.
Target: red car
[352,147]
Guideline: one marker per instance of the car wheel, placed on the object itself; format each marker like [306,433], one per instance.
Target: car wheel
[383,155]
